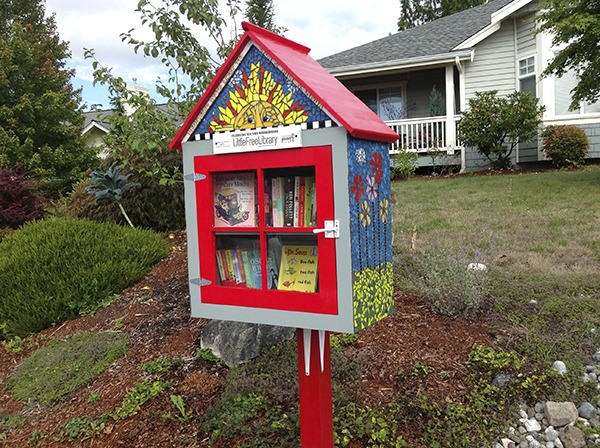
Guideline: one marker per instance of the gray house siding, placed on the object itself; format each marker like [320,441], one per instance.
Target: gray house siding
[494,64]
[525,35]
[593,133]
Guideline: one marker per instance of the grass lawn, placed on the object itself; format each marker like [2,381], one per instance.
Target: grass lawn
[539,236]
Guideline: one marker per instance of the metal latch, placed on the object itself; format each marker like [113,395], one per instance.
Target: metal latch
[331,229]
[200,282]
[194,177]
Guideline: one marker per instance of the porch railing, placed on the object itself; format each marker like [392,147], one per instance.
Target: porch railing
[425,134]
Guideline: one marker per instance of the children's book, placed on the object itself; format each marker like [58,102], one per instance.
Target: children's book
[298,268]
[252,268]
[235,199]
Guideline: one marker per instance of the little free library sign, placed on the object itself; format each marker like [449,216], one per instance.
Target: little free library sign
[288,207]
[257,139]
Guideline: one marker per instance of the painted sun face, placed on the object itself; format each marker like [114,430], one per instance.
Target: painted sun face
[258,114]
[259,101]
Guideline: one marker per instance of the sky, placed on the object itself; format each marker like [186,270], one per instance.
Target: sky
[325,26]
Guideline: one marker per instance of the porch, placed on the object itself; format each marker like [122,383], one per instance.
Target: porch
[424,135]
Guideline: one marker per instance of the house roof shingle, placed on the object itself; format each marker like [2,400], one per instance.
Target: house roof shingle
[434,38]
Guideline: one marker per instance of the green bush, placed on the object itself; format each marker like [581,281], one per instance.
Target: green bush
[57,269]
[444,280]
[403,164]
[566,145]
[65,365]
[152,205]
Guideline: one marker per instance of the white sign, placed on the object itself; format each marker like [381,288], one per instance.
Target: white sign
[281,137]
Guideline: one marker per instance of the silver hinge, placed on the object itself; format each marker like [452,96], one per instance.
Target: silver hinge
[331,229]
[194,177]
[200,282]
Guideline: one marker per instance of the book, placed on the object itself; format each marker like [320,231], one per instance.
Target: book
[277,202]
[252,268]
[234,199]
[230,268]
[220,267]
[309,192]
[288,201]
[298,268]
[268,198]
[299,204]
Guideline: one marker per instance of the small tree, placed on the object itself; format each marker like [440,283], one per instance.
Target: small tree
[496,125]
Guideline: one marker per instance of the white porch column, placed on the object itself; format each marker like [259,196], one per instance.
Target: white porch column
[450,123]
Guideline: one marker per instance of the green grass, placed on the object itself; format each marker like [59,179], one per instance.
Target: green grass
[538,234]
[53,372]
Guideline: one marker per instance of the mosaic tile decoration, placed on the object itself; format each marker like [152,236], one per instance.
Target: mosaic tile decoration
[371,230]
[259,94]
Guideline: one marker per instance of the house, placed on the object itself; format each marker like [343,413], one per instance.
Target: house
[95,128]
[419,80]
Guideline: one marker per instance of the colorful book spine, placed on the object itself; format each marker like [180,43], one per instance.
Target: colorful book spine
[301,201]
[221,267]
[247,269]
[289,200]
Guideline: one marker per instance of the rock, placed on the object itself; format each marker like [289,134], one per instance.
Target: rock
[560,414]
[237,342]
[502,380]
[587,410]
[560,367]
[507,443]
[551,434]
[595,422]
[532,425]
[477,267]
[572,437]
[596,356]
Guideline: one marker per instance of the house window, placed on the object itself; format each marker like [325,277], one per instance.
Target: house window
[387,102]
[562,96]
[527,75]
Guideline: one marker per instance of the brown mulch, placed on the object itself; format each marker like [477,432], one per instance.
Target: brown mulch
[155,315]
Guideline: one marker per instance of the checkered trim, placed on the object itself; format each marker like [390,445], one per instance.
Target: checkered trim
[304,126]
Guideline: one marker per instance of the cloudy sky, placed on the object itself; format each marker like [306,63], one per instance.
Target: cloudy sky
[325,26]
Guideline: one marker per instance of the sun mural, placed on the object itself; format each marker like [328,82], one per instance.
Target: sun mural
[259,101]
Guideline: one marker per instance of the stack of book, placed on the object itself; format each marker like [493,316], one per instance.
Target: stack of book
[292,201]
[239,267]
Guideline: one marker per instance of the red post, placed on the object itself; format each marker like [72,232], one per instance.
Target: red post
[316,409]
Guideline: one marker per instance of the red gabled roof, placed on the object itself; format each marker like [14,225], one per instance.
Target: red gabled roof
[293,58]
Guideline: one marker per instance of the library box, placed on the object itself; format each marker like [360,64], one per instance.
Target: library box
[288,200]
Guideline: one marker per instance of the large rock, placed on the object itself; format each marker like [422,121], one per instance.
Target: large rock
[560,414]
[572,437]
[237,342]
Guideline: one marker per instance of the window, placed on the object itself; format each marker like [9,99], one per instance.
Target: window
[387,102]
[562,96]
[527,75]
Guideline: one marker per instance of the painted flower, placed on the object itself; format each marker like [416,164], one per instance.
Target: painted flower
[377,164]
[371,188]
[361,156]
[384,210]
[365,214]
[358,187]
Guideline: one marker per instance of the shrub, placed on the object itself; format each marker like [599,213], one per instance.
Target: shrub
[152,205]
[19,201]
[403,164]
[566,145]
[53,372]
[444,280]
[496,125]
[56,269]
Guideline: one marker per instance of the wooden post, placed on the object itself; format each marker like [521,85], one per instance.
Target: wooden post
[314,380]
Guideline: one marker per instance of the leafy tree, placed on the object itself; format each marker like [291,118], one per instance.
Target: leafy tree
[417,12]
[261,13]
[575,25]
[144,135]
[40,114]
[496,125]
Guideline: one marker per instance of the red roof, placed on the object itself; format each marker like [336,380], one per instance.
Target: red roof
[341,104]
